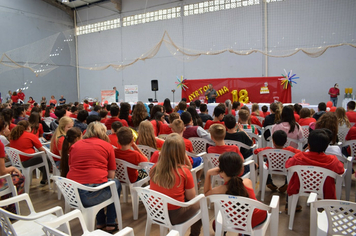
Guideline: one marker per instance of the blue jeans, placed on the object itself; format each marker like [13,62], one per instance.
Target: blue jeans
[93,198]
[211,100]
[334,100]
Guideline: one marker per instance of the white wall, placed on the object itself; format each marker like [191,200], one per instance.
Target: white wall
[241,28]
[24,22]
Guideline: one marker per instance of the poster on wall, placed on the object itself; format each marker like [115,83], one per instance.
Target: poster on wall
[251,89]
[131,93]
[108,96]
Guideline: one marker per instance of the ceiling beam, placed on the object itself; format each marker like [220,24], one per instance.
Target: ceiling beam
[118,4]
[61,6]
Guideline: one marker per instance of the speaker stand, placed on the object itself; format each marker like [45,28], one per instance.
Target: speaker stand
[155,96]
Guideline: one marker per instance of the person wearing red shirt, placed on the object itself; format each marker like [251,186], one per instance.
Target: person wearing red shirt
[65,124]
[53,101]
[219,114]
[126,141]
[74,112]
[305,117]
[230,168]
[146,136]
[334,92]
[351,114]
[31,101]
[92,163]
[8,115]
[21,95]
[114,110]
[179,185]
[14,97]
[35,123]
[265,111]
[318,141]
[113,136]
[23,140]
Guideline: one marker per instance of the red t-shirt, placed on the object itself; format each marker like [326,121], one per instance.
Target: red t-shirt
[296,117]
[86,107]
[165,129]
[103,120]
[53,101]
[2,150]
[315,159]
[39,131]
[11,126]
[73,115]
[25,143]
[211,122]
[183,181]
[159,143]
[188,147]
[56,147]
[14,98]
[111,120]
[233,112]
[334,91]
[352,116]
[225,148]
[154,157]
[306,121]
[114,140]
[266,113]
[133,157]
[351,135]
[21,96]
[90,160]
[289,148]
[255,121]
[154,124]
[258,215]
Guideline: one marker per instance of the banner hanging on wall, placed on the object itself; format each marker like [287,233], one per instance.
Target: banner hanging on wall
[131,93]
[108,96]
[251,89]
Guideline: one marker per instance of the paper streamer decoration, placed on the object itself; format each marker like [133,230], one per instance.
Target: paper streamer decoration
[288,79]
[234,96]
[181,83]
[243,94]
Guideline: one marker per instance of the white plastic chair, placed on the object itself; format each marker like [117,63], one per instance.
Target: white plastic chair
[200,144]
[337,218]
[51,228]
[69,189]
[173,233]
[257,138]
[311,179]
[148,151]
[213,160]
[276,159]
[352,145]
[156,205]
[348,172]
[261,119]
[234,214]
[241,145]
[122,175]
[299,142]
[268,142]
[26,225]
[10,189]
[305,130]
[196,169]
[55,170]
[341,134]
[14,156]
[162,136]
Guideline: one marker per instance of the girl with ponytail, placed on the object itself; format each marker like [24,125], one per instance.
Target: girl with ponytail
[72,136]
[230,168]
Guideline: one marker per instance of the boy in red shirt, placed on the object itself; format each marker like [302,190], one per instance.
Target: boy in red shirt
[279,138]
[126,140]
[115,111]
[244,116]
[113,137]
[351,114]
[318,141]
[218,132]
[219,114]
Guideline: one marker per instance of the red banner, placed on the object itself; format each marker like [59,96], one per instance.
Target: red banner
[259,89]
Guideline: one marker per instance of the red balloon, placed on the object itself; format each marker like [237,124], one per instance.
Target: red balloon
[106,102]
[329,104]
[333,109]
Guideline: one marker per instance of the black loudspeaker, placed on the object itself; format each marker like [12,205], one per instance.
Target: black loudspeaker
[154,85]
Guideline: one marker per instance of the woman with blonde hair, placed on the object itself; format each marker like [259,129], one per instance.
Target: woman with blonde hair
[173,178]
[139,114]
[147,137]
[342,119]
[92,163]
[65,123]
[256,110]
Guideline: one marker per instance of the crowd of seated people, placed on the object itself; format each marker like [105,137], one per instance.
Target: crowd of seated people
[81,131]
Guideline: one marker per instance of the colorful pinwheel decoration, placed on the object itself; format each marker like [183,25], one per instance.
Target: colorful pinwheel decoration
[288,79]
[181,83]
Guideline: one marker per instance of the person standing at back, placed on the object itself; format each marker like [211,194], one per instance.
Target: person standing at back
[211,94]
[334,92]
[116,94]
